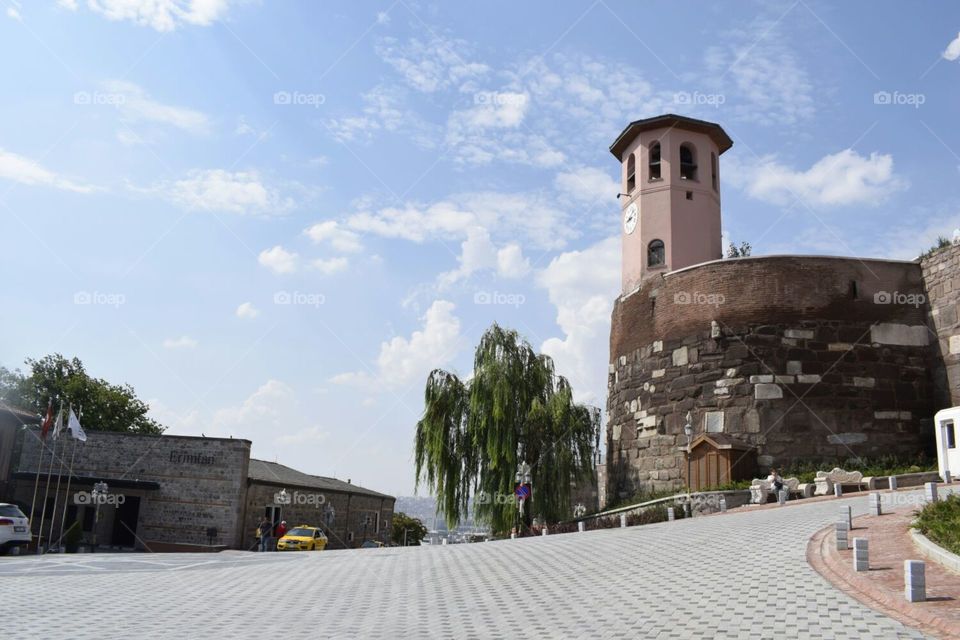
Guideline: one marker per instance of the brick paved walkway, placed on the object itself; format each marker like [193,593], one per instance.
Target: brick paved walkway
[739,575]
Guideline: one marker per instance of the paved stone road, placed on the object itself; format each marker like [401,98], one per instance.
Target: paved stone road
[742,575]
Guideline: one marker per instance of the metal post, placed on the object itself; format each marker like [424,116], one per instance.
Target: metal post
[838,490]
[892,481]
[623,520]
[671,515]
[930,491]
[581,527]
[947,477]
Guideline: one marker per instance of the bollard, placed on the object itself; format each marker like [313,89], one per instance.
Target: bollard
[892,480]
[861,559]
[846,515]
[947,478]
[513,536]
[930,491]
[914,580]
[687,513]
[723,504]
[838,490]
[671,516]
[581,527]
[545,531]
[874,502]
[623,521]
[843,536]
[443,542]
[782,497]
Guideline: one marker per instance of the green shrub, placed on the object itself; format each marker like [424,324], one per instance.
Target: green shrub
[940,521]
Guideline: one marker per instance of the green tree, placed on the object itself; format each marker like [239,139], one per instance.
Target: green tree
[407,530]
[514,409]
[102,406]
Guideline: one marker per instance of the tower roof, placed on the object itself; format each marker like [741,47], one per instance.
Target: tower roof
[715,131]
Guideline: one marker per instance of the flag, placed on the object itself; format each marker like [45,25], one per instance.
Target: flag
[47,421]
[73,426]
[58,424]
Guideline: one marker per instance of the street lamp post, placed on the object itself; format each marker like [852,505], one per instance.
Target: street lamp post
[688,431]
[99,493]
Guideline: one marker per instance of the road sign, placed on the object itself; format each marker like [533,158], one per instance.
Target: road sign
[522,491]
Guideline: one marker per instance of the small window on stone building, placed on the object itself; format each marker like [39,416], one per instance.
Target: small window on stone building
[631,173]
[854,290]
[654,161]
[713,170]
[713,422]
[689,195]
[656,255]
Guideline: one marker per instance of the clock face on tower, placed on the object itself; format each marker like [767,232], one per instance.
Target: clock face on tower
[630,217]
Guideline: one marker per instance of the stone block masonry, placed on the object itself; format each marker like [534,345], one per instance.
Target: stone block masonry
[811,362]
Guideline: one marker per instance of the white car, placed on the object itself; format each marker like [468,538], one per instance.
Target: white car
[14,528]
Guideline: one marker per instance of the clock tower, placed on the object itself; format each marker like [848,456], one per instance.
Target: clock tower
[670,195]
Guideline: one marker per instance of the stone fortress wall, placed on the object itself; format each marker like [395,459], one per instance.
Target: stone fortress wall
[802,357]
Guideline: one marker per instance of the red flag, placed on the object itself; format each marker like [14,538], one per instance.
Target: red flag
[48,421]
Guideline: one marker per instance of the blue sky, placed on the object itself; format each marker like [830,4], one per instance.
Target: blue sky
[273,219]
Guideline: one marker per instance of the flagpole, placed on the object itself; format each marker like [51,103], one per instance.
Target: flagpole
[57,428]
[63,520]
[46,492]
[36,482]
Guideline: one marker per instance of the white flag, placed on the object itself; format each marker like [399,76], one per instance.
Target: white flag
[58,424]
[73,426]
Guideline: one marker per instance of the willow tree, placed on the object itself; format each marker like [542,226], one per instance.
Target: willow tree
[514,409]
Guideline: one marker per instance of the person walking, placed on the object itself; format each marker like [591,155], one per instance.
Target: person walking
[281,529]
[264,531]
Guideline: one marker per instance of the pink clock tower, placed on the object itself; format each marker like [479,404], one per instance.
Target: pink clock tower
[670,184]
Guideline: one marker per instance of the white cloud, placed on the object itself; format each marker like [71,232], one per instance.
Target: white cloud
[135,105]
[432,64]
[183,342]
[278,260]
[842,178]
[760,76]
[384,109]
[333,233]
[952,52]
[478,253]
[162,15]
[329,266]
[247,311]
[534,218]
[582,285]
[243,192]
[588,185]
[29,172]
[403,361]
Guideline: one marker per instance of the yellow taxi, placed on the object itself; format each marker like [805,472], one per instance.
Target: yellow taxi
[303,538]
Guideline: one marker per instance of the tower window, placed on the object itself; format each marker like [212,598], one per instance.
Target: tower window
[689,195]
[713,170]
[688,162]
[655,161]
[655,253]
[631,173]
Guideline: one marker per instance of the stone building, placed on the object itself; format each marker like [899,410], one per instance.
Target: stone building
[170,493]
[797,357]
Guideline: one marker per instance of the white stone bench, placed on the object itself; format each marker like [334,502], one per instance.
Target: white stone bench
[825,480]
[760,489]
